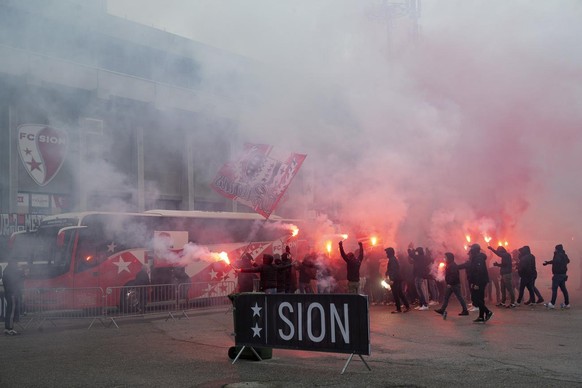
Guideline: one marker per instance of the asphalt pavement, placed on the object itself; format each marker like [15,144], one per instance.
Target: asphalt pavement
[528,346]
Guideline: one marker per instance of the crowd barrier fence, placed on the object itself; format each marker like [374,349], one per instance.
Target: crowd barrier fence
[108,305]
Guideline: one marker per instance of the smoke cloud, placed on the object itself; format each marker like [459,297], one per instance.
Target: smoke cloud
[468,124]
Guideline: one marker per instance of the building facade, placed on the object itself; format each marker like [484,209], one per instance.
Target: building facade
[101,113]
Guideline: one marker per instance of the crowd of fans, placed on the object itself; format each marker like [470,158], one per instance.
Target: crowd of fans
[414,278]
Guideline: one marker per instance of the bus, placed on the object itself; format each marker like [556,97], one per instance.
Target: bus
[106,250]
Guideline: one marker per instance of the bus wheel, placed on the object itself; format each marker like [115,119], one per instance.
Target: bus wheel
[129,299]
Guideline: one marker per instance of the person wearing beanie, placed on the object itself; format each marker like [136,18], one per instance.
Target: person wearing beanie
[453,281]
[559,276]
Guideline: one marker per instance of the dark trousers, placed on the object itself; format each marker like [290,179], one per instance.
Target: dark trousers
[12,311]
[478,298]
[559,280]
[398,294]
[507,287]
[454,289]
[523,284]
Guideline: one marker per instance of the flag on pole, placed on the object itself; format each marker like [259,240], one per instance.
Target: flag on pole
[259,177]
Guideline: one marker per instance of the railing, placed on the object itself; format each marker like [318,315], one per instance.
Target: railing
[107,306]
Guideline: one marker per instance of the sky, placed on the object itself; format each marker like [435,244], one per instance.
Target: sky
[469,124]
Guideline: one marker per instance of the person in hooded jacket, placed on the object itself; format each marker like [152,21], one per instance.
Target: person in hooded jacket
[353,263]
[527,274]
[478,277]
[559,276]
[246,280]
[453,280]
[505,271]
[420,269]
[393,273]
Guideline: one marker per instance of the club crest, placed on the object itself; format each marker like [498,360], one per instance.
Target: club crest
[42,150]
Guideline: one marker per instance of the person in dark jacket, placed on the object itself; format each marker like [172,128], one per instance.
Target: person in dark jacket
[559,276]
[393,273]
[527,274]
[353,263]
[505,271]
[420,270]
[246,280]
[453,280]
[290,277]
[13,279]
[478,277]
[307,272]
[268,272]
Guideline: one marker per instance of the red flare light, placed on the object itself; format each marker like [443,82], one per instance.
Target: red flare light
[373,240]
[441,266]
[224,257]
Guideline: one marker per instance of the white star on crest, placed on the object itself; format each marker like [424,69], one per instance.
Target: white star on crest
[111,247]
[213,274]
[257,330]
[256,310]
[122,265]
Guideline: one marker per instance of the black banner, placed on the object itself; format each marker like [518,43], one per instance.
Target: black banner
[337,323]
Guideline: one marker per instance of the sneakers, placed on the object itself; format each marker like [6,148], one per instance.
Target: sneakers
[10,332]
[540,301]
[528,302]
[488,316]
[464,312]
[406,309]
[564,306]
[500,305]
[423,308]
[549,305]
[479,320]
[474,308]
[432,303]
[439,311]
[511,306]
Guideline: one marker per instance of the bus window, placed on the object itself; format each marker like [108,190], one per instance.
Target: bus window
[91,250]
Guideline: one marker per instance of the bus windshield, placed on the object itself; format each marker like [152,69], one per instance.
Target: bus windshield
[45,258]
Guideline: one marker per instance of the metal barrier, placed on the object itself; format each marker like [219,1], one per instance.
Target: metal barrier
[107,306]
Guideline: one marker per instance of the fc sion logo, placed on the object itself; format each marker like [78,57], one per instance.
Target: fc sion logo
[42,150]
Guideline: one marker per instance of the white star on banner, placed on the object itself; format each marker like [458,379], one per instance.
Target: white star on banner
[111,247]
[256,310]
[257,330]
[122,265]
[213,274]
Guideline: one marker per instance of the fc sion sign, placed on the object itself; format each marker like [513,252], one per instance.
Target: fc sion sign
[42,150]
[337,323]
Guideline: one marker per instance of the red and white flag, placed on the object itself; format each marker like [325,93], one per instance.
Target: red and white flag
[259,177]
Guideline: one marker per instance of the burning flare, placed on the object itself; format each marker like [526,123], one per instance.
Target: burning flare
[374,240]
[328,247]
[224,257]
[294,231]
[385,285]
